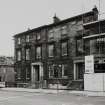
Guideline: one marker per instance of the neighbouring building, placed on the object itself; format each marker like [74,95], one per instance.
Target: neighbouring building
[7,73]
[54,54]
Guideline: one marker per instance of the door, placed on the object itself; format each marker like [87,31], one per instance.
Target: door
[80,71]
[37,73]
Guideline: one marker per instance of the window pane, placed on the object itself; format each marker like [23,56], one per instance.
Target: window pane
[51,35]
[87,47]
[38,37]
[51,50]
[27,73]
[55,72]
[64,70]
[27,38]
[27,54]
[64,30]
[19,73]
[51,71]
[64,48]
[38,52]
[79,47]
[18,55]
[18,41]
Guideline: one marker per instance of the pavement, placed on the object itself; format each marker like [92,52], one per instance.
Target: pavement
[52,91]
[31,98]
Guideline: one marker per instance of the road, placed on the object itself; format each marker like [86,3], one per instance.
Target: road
[26,98]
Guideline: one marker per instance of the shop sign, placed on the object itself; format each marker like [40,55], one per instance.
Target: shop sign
[89,64]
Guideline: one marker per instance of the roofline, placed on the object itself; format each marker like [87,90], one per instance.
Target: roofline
[93,22]
[71,18]
[31,30]
[54,24]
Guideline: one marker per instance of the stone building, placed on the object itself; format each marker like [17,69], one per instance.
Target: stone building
[53,54]
[7,73]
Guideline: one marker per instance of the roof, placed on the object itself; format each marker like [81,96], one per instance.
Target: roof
[55,24]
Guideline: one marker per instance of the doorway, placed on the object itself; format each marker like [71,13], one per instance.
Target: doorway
[79,71]
[36,72]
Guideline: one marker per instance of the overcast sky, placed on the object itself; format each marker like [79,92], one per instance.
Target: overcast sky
[18,15]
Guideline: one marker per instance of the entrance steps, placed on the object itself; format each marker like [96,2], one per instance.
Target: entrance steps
[75,85]
[36,85]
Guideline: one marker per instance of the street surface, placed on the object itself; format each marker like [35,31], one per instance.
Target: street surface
[27,98]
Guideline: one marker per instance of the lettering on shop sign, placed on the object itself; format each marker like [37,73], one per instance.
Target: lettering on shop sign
[89,64]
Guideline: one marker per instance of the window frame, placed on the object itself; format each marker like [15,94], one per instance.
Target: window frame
[64,30]
[38,36]
[51,44]
[27,58]
[78,53]
[62,42]
[63,71]
[51,71]
[51,35]
[18,40]
[39,46]
[19,73]
[19,55]
[27,73]
[27,38]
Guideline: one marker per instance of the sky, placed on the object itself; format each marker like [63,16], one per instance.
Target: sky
[17,16]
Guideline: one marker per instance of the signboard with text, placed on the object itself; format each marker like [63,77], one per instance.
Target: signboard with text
[89,64]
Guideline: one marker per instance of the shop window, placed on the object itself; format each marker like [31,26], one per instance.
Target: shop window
[64,48]
[99,68]
[51,50]
[38,52]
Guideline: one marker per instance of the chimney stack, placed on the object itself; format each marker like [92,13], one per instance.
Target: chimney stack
[56,19]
